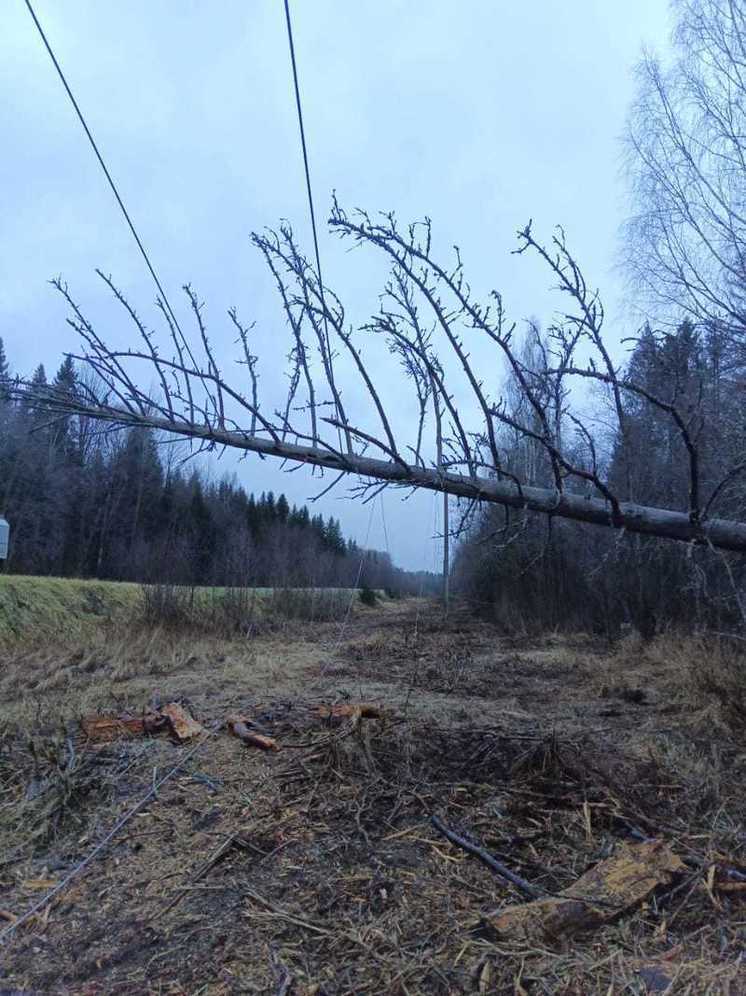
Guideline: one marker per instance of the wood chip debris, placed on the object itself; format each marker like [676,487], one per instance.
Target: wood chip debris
[184,726]
[176,720]
[609,889]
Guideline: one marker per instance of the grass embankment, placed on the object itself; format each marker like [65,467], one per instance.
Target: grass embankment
[37,610]
[41,609]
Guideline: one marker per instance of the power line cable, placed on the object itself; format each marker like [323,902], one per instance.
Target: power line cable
[108,176]
[383,520]
[304,148]
[309,191]
[127,216]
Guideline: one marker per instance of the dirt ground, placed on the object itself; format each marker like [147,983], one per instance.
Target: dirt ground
[315,869]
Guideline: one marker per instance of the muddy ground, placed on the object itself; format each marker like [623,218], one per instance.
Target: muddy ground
[314,869]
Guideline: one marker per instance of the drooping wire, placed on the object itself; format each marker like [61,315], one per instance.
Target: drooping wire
[383,521]
[110,180]
[309,191]
[304,146]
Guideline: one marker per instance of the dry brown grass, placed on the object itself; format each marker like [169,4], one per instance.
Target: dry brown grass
[317,865]
[702,677]
[713,673]
[122,667]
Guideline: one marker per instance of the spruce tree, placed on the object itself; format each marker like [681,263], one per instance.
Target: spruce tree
[4,375]
[65,385]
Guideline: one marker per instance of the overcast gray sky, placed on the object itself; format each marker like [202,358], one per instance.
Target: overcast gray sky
[480,114]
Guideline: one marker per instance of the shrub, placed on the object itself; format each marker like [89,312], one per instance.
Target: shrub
[310,604]
[220,611]
[368,596]
[230,612]
[167,605]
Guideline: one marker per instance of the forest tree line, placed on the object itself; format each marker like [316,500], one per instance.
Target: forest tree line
[87,501]
[683,249]
[664,428]
[530,571]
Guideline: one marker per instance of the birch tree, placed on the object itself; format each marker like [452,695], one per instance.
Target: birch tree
[453,346]
[685,242]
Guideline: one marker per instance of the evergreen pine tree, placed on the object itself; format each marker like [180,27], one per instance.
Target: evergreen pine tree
[65,385]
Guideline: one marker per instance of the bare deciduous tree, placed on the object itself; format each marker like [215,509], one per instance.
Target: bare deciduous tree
[685,245]
[432,323]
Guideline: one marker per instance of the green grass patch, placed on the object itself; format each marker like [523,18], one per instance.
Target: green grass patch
[39,609]
[46,608]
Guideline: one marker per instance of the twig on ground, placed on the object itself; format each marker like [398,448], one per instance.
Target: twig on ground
[486,858]
[45,900]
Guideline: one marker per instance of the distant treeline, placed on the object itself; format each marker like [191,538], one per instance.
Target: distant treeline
[87,501]
[675,437]
[530,572]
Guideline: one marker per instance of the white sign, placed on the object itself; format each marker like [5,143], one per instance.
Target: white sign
[4,537]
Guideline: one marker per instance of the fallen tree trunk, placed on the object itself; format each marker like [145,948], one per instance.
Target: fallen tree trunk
[723,534]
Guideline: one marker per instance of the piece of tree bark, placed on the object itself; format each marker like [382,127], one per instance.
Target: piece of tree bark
[104,729]
[610,888]
[183,726]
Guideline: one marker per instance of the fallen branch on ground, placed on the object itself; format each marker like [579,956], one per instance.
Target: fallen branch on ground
[484,856]
[239,727]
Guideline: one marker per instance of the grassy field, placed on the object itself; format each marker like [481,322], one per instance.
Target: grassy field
[40,609]
[315,869]
[35,610]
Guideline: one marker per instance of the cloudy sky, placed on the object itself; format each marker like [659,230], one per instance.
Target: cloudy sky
[479,114]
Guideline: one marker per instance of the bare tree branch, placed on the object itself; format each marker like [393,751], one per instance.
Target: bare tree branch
[459,340]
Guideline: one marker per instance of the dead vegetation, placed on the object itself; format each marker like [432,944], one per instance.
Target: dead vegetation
[230,612]
[315,867]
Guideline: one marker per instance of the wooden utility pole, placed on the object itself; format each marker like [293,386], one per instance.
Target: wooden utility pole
[446,558]
[441,470]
